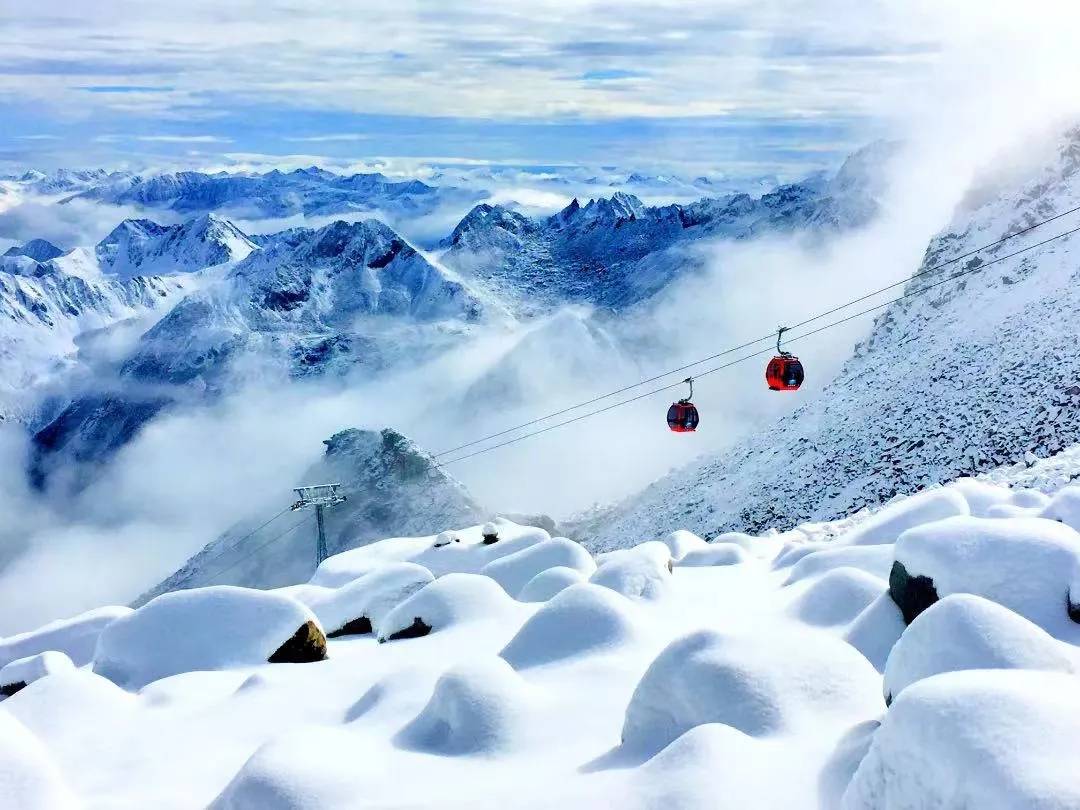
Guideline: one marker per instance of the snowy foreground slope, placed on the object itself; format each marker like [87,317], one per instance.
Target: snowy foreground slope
[924,657]
[968,376]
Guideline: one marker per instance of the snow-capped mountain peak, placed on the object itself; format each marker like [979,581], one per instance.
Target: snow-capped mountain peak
[40,250]
[141,247]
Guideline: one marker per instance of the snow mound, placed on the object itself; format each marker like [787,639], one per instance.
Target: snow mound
[747,541]
[584,619]
[760,685]
[307,769]
[29,780]
[1025,564]
[968,632]
[549,583]
[452,599]
[876,630]
[476,708]
[514,571]
[680,542]
[360,606]
[642,572]
[1064,507]
[466,556]
[995,740]
[202,629]
[875,560]
[896,518]
[1029,499]
[714,554]
[20,673]
[981,496]
[837,597]
[75,637]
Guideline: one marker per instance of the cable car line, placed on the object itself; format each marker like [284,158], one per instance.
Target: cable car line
[748,344]
[260,547]
[820,329]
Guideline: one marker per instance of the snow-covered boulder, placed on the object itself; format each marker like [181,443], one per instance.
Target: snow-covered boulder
[790,553]
[207,629]
[1029,499]
[582,620]
[760,685]
[875,630]
[468,555]
[29,779]
[1026,564]
[75,637]
[981,496]
[478,707]
[24,671]
[449,600]
[680,542]
[714,554]
[549,583]
[875,560]
[360,606]
[837,597]
[993,740]
[642,572]
[514,571]
[963,632]
[1064,507]
[896,518]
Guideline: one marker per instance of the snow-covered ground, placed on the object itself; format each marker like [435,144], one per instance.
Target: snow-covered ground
[751,672]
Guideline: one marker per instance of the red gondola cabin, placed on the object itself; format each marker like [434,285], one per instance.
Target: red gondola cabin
[784,373]
[682,417]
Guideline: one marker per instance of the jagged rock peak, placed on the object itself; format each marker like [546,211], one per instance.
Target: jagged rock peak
[40,250]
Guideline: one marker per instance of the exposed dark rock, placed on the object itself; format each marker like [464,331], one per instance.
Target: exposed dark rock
[9,689]
[354,627]
[415,630]
[308,644]
[911,594]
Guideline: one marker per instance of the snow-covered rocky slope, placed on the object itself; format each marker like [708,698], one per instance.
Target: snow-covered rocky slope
[47,308]
[139,246]
[616,251]
[306,302]
[391,486]
[926,657]
[968,376]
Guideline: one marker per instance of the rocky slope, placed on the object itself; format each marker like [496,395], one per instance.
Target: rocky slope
[392,487]
[968,376]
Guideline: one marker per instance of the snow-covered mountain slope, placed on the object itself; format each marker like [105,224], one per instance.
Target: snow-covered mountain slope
[141,247]
[44,313]
[968,376]
[308,303]
[311,191]
[894,667]
[392,487]
[617,251]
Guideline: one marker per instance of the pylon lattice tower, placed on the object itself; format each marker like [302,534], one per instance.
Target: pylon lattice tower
[320,496]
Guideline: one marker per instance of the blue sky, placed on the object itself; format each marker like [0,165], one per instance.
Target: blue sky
[727,85]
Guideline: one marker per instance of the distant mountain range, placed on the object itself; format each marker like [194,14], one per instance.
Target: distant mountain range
[356,296]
